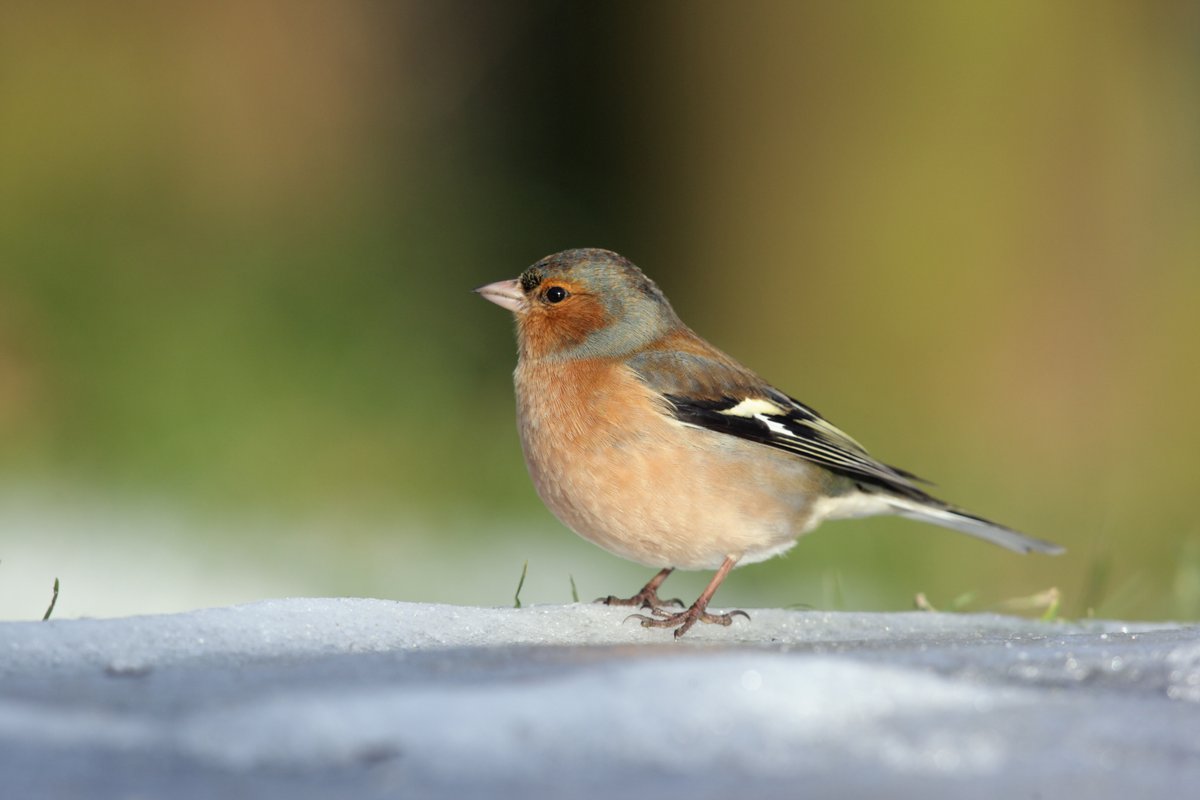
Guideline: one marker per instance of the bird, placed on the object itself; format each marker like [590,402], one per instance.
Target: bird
[650,442]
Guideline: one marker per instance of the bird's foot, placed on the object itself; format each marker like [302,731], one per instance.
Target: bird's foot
[659,618]
[646,598]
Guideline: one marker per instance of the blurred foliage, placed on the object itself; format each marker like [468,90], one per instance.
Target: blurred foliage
[237,239]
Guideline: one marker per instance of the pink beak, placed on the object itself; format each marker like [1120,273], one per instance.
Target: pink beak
[506,294]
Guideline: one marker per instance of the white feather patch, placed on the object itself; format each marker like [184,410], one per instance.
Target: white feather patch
[754,407]
[851,506]
[775,427]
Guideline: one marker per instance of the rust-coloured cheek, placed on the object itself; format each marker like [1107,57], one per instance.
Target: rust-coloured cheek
[547,329]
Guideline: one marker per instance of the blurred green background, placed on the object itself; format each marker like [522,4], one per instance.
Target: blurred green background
[239,357]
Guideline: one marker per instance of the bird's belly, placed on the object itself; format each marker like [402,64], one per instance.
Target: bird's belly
[674,496]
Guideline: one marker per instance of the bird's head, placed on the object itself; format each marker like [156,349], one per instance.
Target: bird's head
[586,303]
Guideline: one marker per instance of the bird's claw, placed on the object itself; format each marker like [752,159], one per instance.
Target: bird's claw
[685,619]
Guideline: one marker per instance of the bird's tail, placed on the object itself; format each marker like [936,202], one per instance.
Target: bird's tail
[961,521]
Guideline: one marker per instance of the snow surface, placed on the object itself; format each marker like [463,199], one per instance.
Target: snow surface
[367,698]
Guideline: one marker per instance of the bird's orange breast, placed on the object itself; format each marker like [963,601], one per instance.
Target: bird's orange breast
[609,461]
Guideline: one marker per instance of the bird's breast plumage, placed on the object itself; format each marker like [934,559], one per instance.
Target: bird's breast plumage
[610,460]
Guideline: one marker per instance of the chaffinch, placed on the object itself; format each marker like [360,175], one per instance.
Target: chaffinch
[653,444]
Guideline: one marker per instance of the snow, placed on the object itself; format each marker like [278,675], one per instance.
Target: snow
[367,698]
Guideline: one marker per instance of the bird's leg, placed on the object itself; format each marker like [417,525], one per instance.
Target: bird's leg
[647,597]
[696,612]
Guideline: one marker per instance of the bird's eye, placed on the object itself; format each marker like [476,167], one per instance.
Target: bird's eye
[556,294]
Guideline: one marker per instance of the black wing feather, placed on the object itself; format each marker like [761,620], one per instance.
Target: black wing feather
[801,431]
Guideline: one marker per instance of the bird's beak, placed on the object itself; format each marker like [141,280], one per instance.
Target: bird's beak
[506,294]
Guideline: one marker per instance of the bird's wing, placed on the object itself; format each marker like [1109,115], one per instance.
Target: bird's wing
[720,395]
